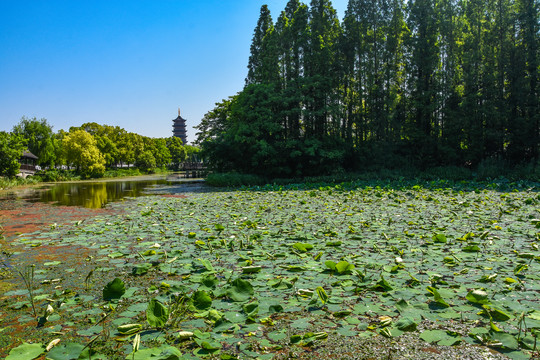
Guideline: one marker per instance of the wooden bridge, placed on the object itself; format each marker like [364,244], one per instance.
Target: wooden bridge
[194,169]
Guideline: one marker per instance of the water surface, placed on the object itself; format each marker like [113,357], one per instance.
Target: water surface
[96,194]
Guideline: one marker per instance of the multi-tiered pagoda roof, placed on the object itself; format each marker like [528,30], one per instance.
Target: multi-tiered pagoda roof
[179,128]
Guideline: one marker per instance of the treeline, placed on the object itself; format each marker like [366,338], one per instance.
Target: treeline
[89,149]
[418,83]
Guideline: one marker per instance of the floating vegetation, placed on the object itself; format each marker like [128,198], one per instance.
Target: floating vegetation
[269,272]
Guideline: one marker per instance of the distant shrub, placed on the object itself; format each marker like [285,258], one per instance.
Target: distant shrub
[112,173]
[454,173]
[54,175]
[233,180]
[491,168]
[530,172]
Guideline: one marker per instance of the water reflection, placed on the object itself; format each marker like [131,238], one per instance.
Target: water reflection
[97,194]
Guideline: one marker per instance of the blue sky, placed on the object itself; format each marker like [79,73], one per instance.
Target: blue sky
[124,63]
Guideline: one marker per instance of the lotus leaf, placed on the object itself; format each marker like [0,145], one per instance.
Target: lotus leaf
[201,300]
[240,290]
[65,351]
[141,269]
[26,352]
[156,313]
[506,340]
[303,247]
[114,290]
[478,297]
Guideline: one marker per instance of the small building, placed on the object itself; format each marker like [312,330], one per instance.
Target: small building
[28,164]
[179,128]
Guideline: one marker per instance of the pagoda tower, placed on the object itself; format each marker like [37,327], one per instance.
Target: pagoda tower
[179,128]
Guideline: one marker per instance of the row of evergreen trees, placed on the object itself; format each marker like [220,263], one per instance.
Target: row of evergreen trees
[397,83]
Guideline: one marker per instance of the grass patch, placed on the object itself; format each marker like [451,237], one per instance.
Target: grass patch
[7,183]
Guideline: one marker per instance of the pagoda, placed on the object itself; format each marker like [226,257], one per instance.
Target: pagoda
[179,128]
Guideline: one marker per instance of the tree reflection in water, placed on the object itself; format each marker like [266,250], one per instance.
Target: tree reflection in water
[96,194]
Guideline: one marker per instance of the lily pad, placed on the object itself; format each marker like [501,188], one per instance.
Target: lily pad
[240,290]
[114,290]
[26,352]
[156,313]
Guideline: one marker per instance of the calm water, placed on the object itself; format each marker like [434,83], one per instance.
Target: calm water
[97,194]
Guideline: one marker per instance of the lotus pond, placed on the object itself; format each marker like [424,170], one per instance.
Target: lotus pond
[356,270]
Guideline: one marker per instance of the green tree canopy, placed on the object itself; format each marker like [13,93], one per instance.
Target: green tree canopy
[177,150]
[81,151]
[11,150]
[418,83]
[40,139]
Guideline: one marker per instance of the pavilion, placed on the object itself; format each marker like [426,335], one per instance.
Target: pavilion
[28,164]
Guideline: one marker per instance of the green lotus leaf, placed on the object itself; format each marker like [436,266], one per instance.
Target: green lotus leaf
[406,324]
[437,296]
[251,269]
[382,285]
[439,238]
[330,264]
[207,265]
[141,269]
[114,290]
[478,297]
[164,352]
[251,309]
[471,248]
[303,247]
[344,267]
[66,351]
[322,294]
[433,336]
[240,290]
[506,340]
[201,300]
[26,352]
[496,314]
[210,281]
[156,314]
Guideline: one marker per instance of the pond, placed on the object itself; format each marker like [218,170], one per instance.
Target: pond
[96,194]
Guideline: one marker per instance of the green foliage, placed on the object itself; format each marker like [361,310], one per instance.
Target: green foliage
[233,180]
[26,351]
[39,137]
[114,289]
[6,183]
[146,161]
[82,153]
[240,290]
[444,86]
[156,314]
[11,150]
[230,270]
[177,151]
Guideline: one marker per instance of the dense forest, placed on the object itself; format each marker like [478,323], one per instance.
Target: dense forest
[89,149]
[418,84]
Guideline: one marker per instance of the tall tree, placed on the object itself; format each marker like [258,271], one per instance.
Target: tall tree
[11,150]
[82,152]
[292,30]
[422,66]
[321,66]
[524,120]
[262,65]
[39,137]
[177,150]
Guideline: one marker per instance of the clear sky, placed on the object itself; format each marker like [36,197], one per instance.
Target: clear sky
[124,63]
